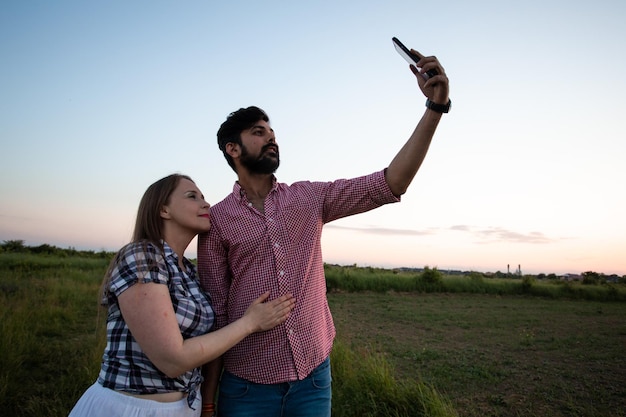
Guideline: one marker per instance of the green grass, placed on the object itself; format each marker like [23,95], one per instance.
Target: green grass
[496,355]
[50,348]
[366,385]
[357,279]
[407,344]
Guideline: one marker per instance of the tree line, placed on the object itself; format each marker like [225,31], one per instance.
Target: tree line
[18,246]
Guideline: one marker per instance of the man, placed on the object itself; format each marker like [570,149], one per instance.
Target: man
[266,237]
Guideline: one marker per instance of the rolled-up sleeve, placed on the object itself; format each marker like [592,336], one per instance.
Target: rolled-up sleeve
[357,195]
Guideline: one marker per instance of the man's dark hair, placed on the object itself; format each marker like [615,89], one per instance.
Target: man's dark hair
[237,122]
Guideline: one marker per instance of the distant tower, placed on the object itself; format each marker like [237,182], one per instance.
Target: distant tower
[508,269]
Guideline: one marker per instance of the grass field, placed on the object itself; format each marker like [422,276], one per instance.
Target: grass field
[497,355]
[478,349]
[51,343]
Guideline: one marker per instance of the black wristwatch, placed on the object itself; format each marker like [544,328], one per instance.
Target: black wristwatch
[439,108]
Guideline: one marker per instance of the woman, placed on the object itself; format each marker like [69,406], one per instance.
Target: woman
[159,319]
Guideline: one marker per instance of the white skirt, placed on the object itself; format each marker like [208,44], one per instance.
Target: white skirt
[98,401]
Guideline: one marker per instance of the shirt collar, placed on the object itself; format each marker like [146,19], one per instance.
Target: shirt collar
[171,256]
[240,193]
[169,252]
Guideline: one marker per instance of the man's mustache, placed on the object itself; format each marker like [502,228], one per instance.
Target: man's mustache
[270,146]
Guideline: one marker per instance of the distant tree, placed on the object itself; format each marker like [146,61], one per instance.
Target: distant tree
[476,276]
[13,246]
[44,249]
[590,277]
[527,282]
[552,276]
[431,276]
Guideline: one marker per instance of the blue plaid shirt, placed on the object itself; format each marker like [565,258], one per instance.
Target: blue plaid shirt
[124,365]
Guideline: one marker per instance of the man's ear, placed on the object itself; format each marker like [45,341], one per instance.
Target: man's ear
[165,213]
[233,149]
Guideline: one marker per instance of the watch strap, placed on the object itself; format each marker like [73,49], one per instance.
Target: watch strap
[439,108]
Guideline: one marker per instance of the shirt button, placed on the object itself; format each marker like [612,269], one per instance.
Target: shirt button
[276,245]
[290,332]
[281,273]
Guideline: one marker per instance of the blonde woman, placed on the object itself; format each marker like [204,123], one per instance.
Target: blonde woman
[159,319]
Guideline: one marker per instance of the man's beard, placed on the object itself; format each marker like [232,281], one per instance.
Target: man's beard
[262,164]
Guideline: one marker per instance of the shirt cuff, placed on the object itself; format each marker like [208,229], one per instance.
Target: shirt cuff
[380,191]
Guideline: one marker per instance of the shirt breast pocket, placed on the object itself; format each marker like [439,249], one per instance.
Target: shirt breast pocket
[248,238]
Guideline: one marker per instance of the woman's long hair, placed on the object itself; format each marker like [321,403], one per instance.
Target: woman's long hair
[148,224]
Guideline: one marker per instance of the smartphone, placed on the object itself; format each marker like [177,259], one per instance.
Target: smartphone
[411,57]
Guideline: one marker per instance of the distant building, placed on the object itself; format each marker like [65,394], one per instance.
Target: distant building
[572,277]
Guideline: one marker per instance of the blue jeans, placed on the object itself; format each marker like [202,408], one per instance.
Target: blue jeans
[310,397]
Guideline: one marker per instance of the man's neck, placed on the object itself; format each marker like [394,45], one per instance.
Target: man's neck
[257,187]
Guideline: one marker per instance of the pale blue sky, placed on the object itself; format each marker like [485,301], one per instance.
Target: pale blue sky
[100,99]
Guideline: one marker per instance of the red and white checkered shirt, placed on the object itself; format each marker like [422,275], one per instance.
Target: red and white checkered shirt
[247,253]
